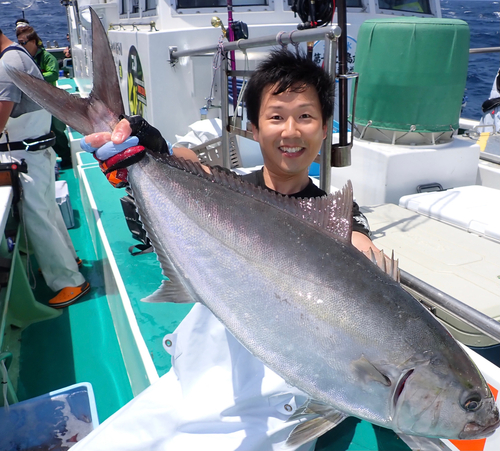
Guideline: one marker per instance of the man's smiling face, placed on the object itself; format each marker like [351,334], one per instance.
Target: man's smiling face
[291,129]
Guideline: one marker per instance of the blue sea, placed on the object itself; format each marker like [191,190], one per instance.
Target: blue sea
[483,16]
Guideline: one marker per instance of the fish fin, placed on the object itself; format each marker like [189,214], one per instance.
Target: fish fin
[332,213]
[106,87]
[97,113]
[366,371]
[170,292]
[389,265]
[309,429]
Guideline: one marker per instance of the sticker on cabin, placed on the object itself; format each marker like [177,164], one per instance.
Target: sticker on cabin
[135,83]
[319,50]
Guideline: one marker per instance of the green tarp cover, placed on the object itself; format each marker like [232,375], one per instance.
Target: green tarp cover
[412,72]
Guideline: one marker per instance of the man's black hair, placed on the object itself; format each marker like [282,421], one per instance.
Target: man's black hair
[285,71]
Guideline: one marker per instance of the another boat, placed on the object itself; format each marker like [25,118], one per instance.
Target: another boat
[169,60]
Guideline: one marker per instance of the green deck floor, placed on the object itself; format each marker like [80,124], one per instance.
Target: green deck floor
[80,345]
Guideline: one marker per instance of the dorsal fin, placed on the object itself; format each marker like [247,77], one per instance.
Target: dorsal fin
[386,264]
[332,213]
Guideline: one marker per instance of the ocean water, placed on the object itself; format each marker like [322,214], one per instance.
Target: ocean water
[48,18]
[483,16]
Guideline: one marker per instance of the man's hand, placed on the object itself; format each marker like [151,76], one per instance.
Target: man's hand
[118,150]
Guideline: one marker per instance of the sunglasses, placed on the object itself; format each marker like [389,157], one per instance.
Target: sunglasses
[23,43]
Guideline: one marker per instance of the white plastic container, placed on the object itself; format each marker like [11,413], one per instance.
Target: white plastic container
[472,208]
[62,199]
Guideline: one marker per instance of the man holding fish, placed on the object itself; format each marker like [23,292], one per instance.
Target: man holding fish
[289,101]
[217,394]
[293,328]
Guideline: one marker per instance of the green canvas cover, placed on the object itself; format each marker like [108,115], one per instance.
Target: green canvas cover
[412,72]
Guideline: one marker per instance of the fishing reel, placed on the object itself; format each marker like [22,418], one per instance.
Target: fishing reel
[240,29]
[313,13]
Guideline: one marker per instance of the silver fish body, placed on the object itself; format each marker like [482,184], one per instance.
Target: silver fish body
[310,306]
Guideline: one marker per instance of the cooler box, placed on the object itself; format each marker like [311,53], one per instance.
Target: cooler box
[62,199]
[472,208]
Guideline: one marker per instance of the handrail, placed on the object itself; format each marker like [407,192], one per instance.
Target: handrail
[453,306]
[328,34]
[283,38]
[485,50]
[489,157]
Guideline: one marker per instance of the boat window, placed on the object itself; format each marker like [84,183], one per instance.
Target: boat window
[217,3]
[414,6]
[349,3]
[150,4]
[132,8]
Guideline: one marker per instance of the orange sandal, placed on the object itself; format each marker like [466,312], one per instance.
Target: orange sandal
[69,295]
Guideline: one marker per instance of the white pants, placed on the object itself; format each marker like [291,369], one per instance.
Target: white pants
[47,233]
[217,396]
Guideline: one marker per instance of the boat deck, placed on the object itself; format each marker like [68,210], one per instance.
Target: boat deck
[79,345]
[461,264]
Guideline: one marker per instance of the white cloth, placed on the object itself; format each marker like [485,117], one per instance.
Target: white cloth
[490,122]
[494,88]
[217,396]
[200,132]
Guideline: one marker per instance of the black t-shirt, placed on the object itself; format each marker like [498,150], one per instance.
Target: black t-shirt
[359,223]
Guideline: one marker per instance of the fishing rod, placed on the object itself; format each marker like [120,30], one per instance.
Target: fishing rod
[230,38]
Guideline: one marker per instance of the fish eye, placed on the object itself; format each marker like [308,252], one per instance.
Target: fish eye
[472,403]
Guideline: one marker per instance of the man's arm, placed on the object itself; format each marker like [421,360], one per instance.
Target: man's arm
[5,110]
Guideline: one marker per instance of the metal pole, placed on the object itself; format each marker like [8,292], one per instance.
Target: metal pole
[343,100]
[231,53]
[264,41]
[225,112]
[485,50]
[453,306]
[325,174]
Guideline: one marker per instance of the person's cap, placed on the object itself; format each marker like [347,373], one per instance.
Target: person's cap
[22,22]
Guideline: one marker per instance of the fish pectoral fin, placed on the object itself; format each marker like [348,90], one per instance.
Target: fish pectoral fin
[386,264]
[170,292]
[367,371]
[309,429]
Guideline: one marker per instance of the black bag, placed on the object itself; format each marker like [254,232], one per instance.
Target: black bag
[135,226]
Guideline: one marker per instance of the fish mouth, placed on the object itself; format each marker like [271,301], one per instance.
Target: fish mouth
[474,430]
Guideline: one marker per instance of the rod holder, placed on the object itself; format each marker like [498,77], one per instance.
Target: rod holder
[341,155]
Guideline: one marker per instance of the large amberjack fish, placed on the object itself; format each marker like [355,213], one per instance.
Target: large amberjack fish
[282,276]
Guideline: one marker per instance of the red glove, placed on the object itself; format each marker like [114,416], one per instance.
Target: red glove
[115,168]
